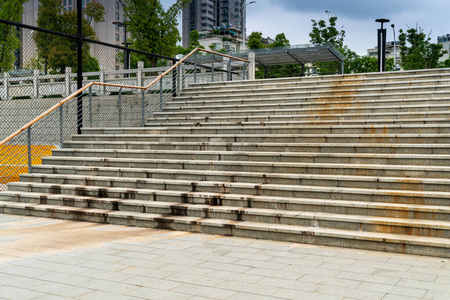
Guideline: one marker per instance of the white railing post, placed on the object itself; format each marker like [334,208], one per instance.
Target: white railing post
[225,68]
[252,65]
[67,80]
[140,74]
[35,84]
[102,80]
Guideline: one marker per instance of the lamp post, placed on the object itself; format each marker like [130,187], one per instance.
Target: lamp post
[126,54]
[382,45]
[395,46]
[244,21]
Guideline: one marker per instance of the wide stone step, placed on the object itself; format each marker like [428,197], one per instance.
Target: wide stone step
[311,129]
[385,77]
[405,92]
[57,184]
[267,147]
[316,235]
[252,166]
[203,123]
[294,157]
[372,182]
[254,111]
[297,102]
[359,117]
[269,216]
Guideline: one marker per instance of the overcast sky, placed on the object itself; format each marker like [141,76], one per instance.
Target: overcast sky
[293,17]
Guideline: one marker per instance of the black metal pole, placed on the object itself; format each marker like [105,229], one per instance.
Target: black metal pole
[382,45]
[79,64]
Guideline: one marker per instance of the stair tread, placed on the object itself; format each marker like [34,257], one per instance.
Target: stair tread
[246,225]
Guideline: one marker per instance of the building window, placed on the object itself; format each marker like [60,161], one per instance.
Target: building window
[117,37]
[117,5]
[117,16]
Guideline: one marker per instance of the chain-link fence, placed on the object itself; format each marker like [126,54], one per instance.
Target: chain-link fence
[122,98]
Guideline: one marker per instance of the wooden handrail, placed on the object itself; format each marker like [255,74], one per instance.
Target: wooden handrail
[73,95]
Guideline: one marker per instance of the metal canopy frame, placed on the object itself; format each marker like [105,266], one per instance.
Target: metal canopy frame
[298,54]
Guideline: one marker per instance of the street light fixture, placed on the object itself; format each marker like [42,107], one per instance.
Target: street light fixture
[382,45]
[126,53]
[244,20]
[395,46]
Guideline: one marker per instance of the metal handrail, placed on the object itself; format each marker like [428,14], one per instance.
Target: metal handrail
[76,93]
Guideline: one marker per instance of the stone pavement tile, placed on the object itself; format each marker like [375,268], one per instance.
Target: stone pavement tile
[312,270]
[106,275]
[195,279]
[215,258]
[300,295]
[146,272]
[418,261]
[19,281]
[229,248]
[63,278]
[260,264]
[154,294]
[272,245]
[56,267]
[152,283]
[390,289]
[288,260]
[101,265]
[96,295]
[275,274]
[224,267]
[349,268]
[337,281]
[64,290]
[289,284]
[137,255]
[22,271]
[243,277]
[205,250]
[141,263]
[369,278]
[406,275]
[364,255]
[248,296]
[231,241]
[438,287]
[18,293]
[315,250]
[172,253]
[181,261]
[200,298]
[442,279]
[204,291]
[102,257]
[398,297]
[329,259]
[116,246]
[281,254]
[381,265]
[251,256]
[252,288]
[435,295]
[175,268]
[432,271]
[349,293]
[52,297]
[109,286]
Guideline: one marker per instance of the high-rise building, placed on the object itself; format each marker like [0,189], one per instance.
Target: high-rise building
[445,41]
[105,31]
[207,15]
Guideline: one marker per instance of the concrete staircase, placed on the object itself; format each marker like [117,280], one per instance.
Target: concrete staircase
[360,161]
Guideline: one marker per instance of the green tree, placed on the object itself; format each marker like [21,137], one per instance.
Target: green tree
[9,41]
[280,41]
[152,28]
[327,33]
[94,11]
[194,36]
[254,40]
[58,52]
[416,50]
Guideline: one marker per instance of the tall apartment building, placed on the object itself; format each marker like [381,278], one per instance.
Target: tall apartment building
[106,31]
[207,15]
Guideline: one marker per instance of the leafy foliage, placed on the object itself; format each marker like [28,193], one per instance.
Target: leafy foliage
[280,41]
[254,40]
[9,10]
[58,52]
[327,33]
[95,11]
[417,52]
[152,28]
[193,43]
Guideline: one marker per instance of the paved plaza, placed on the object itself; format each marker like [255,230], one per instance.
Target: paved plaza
[55,259]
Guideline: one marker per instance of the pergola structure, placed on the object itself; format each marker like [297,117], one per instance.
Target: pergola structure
[298,54]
